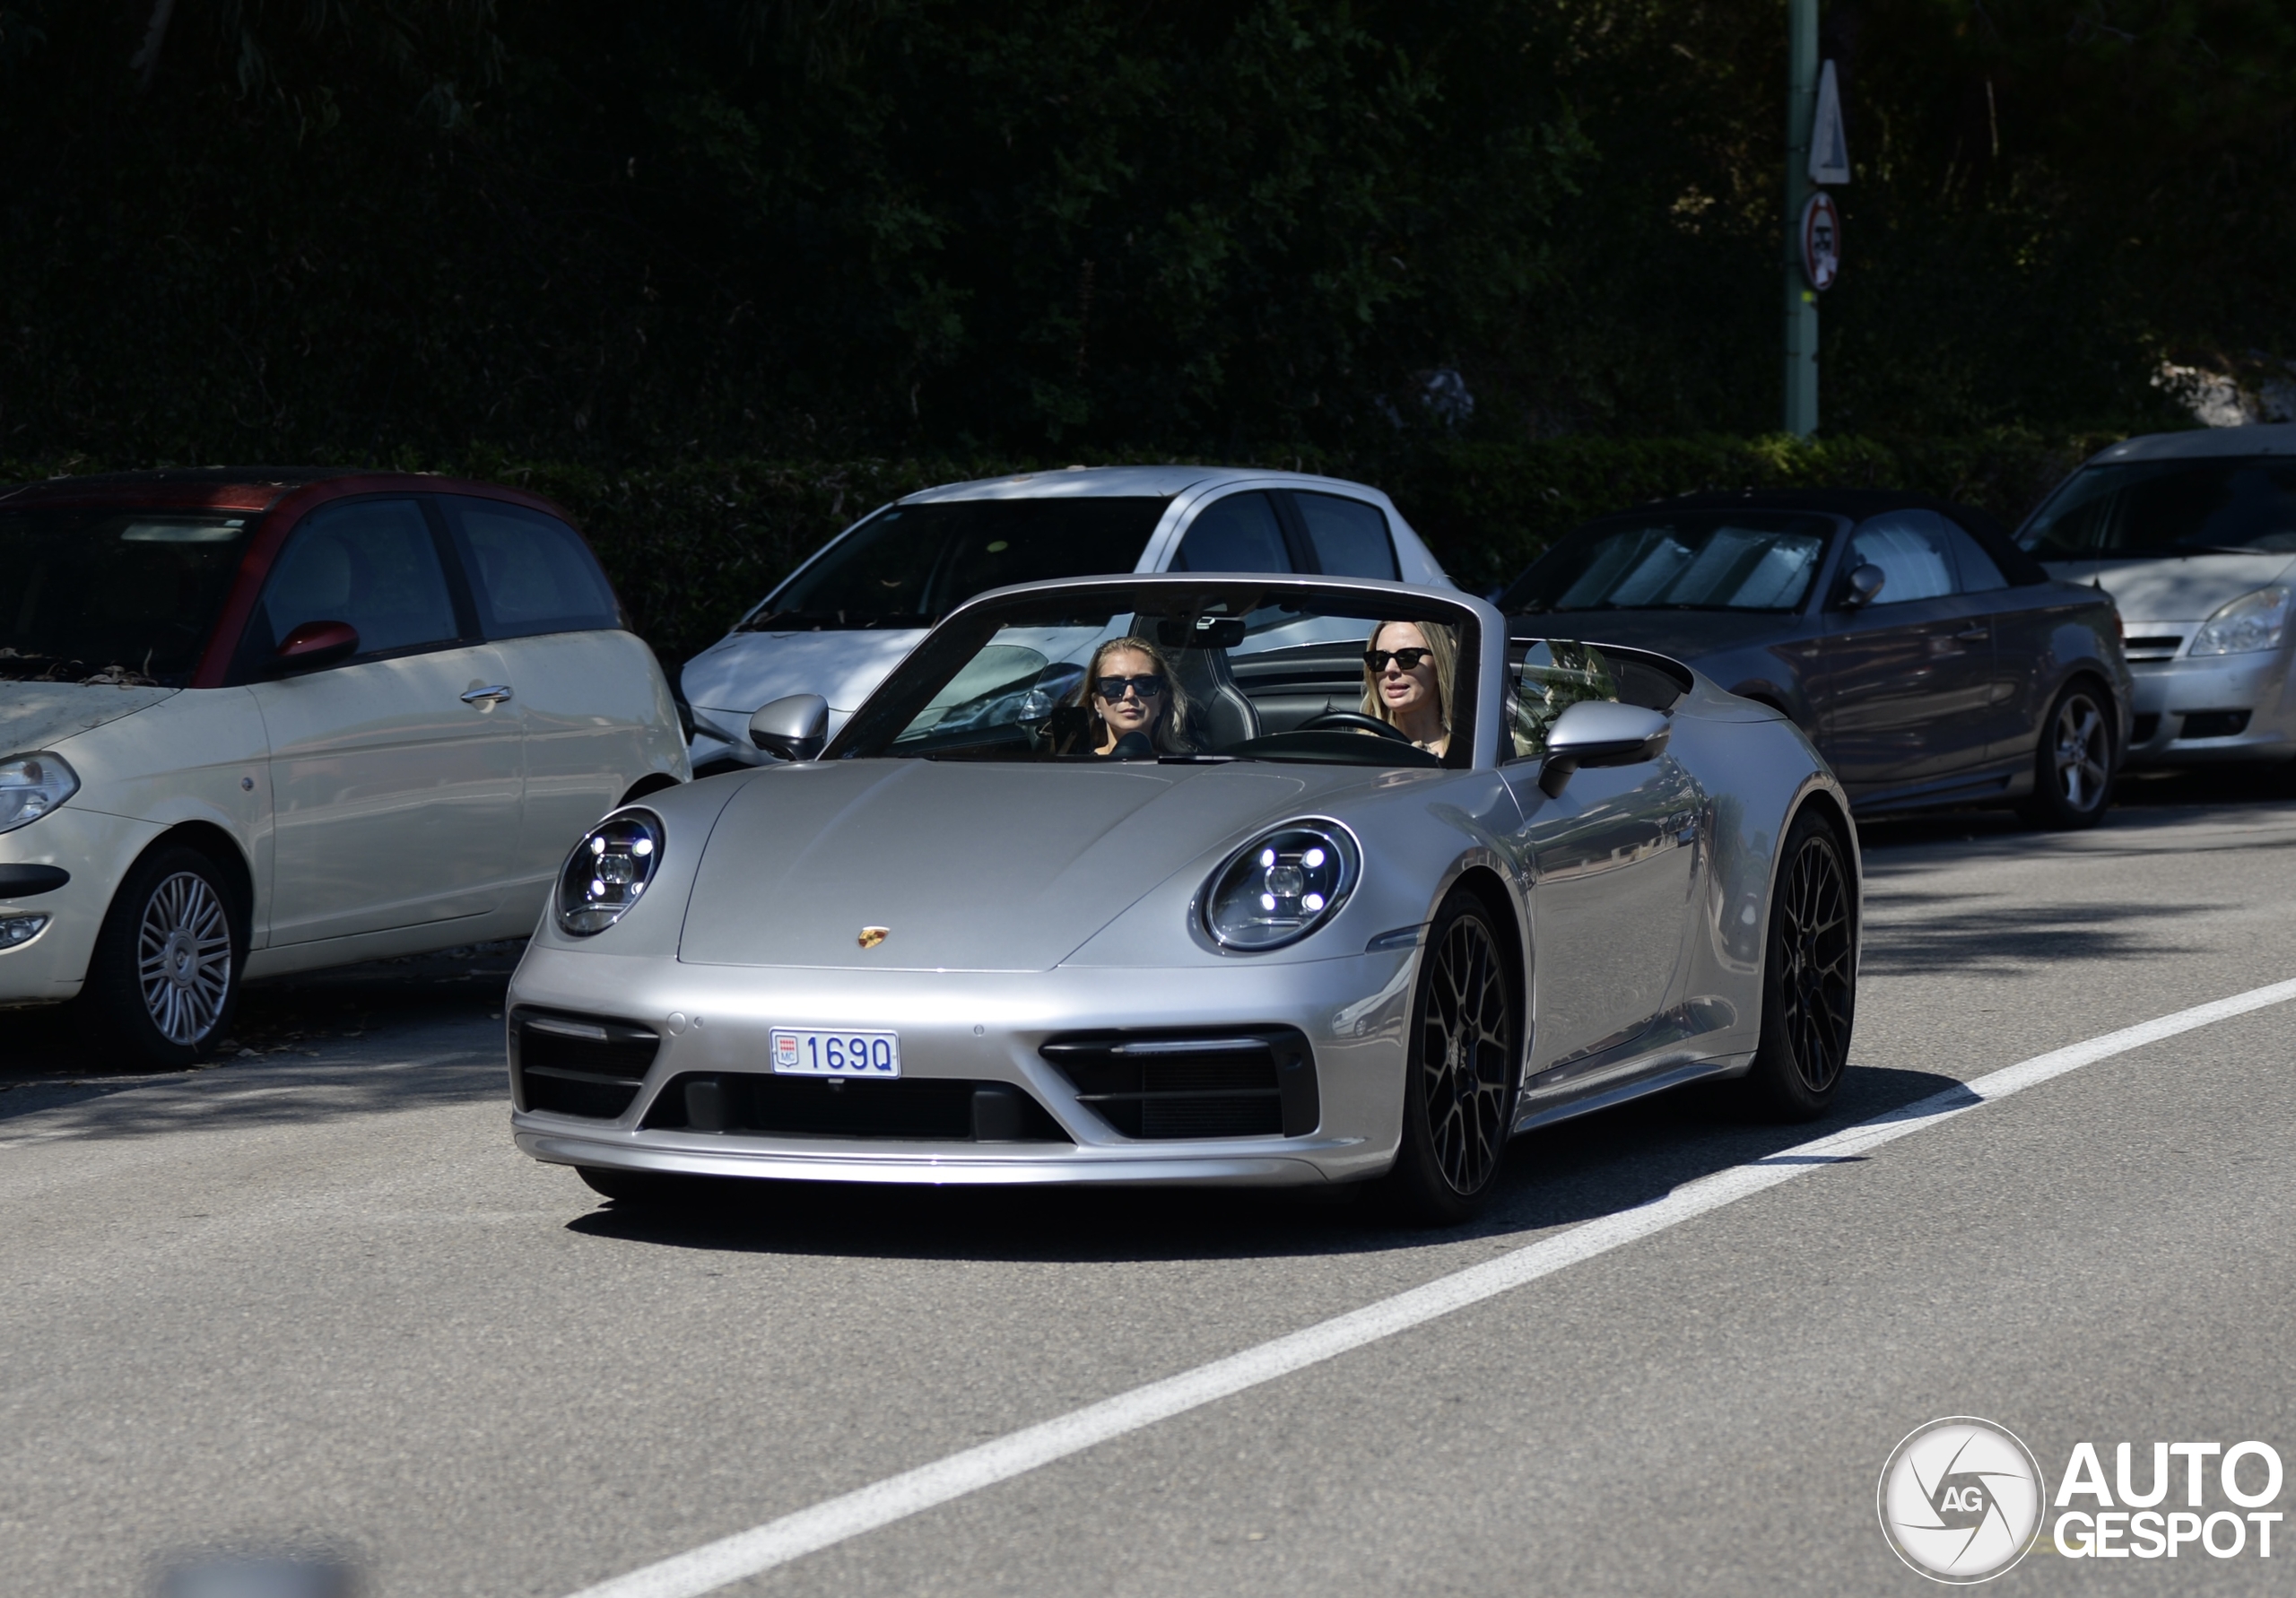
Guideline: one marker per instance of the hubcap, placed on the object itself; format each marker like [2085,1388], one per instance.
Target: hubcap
[1816,955]
[2080,753]
[1467,1053]
[184,958]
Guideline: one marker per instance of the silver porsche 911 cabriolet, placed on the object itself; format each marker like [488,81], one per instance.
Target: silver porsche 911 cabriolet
[1197,879]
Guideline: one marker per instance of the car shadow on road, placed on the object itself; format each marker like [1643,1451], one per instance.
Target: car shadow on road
[1597,1165]
[1903,942]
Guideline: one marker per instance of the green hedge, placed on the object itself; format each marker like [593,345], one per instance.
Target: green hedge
[691,545]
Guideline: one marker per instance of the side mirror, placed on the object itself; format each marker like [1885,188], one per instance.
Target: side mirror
[1600,733]
[1862,587]
[793,728]
[316,644]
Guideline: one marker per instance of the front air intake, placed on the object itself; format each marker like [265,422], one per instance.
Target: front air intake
[1243,1081]
[568,1064]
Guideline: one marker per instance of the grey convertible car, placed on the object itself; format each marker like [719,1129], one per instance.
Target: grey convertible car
[1238,904]
[1931,660]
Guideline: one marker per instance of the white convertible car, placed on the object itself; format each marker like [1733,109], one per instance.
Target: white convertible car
[255,722]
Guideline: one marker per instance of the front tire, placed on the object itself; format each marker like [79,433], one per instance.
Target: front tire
[1459,1079]
[164,979]
[2073,768]
[1809,976]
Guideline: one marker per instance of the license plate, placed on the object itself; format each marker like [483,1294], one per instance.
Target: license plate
[873,1055]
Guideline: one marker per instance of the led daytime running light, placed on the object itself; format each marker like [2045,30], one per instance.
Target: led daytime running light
[608,871]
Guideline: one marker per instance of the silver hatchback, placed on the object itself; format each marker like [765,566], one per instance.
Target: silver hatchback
[2193,535]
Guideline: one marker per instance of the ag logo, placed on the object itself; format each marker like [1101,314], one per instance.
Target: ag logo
[1961,1499]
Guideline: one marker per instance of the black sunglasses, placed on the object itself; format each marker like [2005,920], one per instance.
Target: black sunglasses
[1111,689]
[1408,659]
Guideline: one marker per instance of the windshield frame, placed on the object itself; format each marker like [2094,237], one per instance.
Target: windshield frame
[973,625]
[1828,526]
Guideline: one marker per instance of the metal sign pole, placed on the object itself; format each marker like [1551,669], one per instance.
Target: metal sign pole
[1800,298]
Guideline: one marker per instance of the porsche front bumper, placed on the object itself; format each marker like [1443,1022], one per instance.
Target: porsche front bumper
[981,1027]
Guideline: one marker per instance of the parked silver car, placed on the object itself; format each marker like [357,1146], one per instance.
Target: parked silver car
[2193,535]
[1185,921]
[850,614]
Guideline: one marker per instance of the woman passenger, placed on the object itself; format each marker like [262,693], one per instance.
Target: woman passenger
[1138,709]
[1409,671]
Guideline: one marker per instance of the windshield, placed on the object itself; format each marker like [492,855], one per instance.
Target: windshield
[1681,562]
[910,565]
[2238,506]
[112,596]
[1174,671]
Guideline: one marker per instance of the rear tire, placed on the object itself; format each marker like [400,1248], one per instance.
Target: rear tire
[164,982]
[1459,1076]
[2074,766]
[1809,976]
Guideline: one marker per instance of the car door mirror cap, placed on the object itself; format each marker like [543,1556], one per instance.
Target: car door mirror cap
[314,645]
[794,727]
[1601,733]
[1862,587]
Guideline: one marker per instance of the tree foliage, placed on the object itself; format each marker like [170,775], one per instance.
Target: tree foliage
[401,228]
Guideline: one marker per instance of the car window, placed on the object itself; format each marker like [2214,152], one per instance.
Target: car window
[1349,537]
[112,594]
[1978,573]
[530,573]
[1912,549]
[1699,561]
[1545,678]
[1236,533]
[372,563]
[2169,508]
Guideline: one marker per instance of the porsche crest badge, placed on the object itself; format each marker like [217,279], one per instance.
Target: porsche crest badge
[871,936]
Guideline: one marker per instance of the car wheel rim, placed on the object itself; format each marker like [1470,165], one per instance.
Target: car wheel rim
[183,956]
[1816,951]
[2080,753]
[1467,1056]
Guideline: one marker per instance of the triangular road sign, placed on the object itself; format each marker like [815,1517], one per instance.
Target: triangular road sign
[1829,150]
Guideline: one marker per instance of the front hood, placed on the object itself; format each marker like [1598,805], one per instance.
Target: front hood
[745,670]
[971,867]
[1687,636]
[43,715]
[2188,587]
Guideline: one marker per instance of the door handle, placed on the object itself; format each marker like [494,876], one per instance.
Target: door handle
[1974,635]
[489,697]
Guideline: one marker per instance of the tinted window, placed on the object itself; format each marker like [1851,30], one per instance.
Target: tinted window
[1910,547]
[127,595]
[910,565]
[1692,561]
[372,563]
[2167,508]
[1350,538]
[530,573]
[1236,533]
[1978,573]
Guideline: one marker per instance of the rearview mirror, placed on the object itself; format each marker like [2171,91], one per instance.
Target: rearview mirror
[793,728]
[1862,585]
[1600,733]
[316,644]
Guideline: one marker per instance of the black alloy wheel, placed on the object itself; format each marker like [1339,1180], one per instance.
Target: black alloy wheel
[164,978]
[1809,986]
[1459,1080]
[2073,768]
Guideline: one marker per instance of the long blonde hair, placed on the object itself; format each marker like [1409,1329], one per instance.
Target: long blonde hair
[1170,735]
[1442,649]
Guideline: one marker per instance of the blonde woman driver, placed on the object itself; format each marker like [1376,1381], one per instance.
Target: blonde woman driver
[1408,672]
[1137,708]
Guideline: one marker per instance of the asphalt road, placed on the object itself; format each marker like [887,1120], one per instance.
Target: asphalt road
[311,1298]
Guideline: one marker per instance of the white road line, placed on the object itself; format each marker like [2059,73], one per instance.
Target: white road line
[792,1536]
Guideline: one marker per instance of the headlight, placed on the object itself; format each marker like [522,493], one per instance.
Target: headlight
[32,785]
[608,871]
[1282,886]
[2249,624]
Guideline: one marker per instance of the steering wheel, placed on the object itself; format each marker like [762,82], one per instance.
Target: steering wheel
[1353,721]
